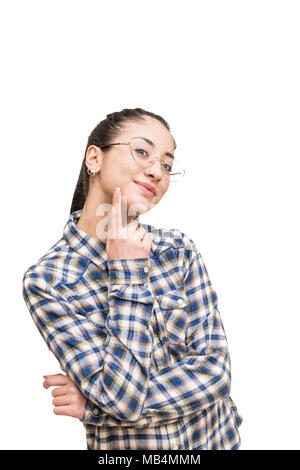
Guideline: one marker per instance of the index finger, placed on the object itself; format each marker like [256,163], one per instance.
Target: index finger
[116,212]
[55,379]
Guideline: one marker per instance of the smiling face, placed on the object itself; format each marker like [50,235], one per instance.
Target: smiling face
[117,168]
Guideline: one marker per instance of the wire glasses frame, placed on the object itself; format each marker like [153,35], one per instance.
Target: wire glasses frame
[182,173]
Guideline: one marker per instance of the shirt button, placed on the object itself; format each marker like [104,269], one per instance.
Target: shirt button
[180,301]
[146,269]
[96,411]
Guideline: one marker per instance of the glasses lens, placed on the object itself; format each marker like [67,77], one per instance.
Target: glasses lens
[144,156]
[141,152]
[176,172]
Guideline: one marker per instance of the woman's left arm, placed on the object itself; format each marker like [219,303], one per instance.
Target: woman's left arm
[203,376]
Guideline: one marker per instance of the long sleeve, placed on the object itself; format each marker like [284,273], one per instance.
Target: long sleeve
[115,374]
[203,376]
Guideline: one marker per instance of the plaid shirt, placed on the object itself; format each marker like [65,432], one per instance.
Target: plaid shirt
[141,338]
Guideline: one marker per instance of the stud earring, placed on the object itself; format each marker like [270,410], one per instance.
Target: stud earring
[91,172]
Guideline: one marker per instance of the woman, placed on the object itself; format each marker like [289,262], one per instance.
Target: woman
[128,309]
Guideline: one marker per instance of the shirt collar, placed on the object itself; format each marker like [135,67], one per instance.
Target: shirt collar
[88,246]
[83,243]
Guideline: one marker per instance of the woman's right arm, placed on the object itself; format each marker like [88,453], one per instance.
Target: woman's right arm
[114,375]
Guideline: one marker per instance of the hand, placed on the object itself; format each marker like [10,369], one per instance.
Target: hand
[68,401]
[128,242]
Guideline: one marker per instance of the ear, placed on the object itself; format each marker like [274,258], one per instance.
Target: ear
[94,157]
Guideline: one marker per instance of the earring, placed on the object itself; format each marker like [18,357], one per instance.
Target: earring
[91,172]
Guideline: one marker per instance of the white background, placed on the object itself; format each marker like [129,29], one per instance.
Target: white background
[225,75]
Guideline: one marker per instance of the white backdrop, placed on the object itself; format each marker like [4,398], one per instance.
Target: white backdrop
[225,75]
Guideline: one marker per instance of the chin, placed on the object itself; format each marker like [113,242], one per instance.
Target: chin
[136,208]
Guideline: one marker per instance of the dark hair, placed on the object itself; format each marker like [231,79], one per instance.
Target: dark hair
[103,133]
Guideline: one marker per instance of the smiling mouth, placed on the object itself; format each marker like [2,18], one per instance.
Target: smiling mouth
[146,191]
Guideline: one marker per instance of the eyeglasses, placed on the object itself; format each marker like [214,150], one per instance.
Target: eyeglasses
[143,155]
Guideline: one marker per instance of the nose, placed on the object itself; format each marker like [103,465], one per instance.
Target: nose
[155,169]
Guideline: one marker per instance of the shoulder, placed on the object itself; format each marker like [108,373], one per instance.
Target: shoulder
[52,266]
[172,239]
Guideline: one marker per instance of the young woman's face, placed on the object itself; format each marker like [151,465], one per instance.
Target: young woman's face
[118,168]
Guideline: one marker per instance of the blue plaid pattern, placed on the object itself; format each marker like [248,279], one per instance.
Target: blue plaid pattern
[141,338]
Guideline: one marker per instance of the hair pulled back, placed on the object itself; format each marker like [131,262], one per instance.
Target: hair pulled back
[102,134]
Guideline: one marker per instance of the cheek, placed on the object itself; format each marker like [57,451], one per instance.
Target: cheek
[118,171]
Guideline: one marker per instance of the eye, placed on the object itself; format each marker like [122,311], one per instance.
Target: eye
[140,153]
[167,167]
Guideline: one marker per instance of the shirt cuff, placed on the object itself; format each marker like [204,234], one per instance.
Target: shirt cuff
[93,414]
[129,271]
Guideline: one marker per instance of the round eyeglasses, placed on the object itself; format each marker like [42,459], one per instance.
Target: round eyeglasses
[143,154]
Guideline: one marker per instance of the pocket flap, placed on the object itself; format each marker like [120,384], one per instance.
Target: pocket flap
[171,301]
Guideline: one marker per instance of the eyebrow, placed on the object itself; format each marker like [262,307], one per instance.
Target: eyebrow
[168,154]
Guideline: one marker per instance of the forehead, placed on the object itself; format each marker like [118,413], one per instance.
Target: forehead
[151,129]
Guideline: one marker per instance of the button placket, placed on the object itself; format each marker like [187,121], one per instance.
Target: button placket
[146,268]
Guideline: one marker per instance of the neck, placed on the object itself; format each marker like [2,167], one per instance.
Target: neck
[97,225]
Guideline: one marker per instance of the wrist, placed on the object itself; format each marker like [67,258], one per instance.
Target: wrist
[129,271]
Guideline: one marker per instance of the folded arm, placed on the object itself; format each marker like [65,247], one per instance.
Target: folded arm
[203,377]
[113,374]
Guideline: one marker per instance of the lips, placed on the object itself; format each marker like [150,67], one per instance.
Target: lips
[147,186]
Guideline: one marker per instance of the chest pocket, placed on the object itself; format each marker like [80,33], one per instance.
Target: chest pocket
[174,310]
[93,307]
